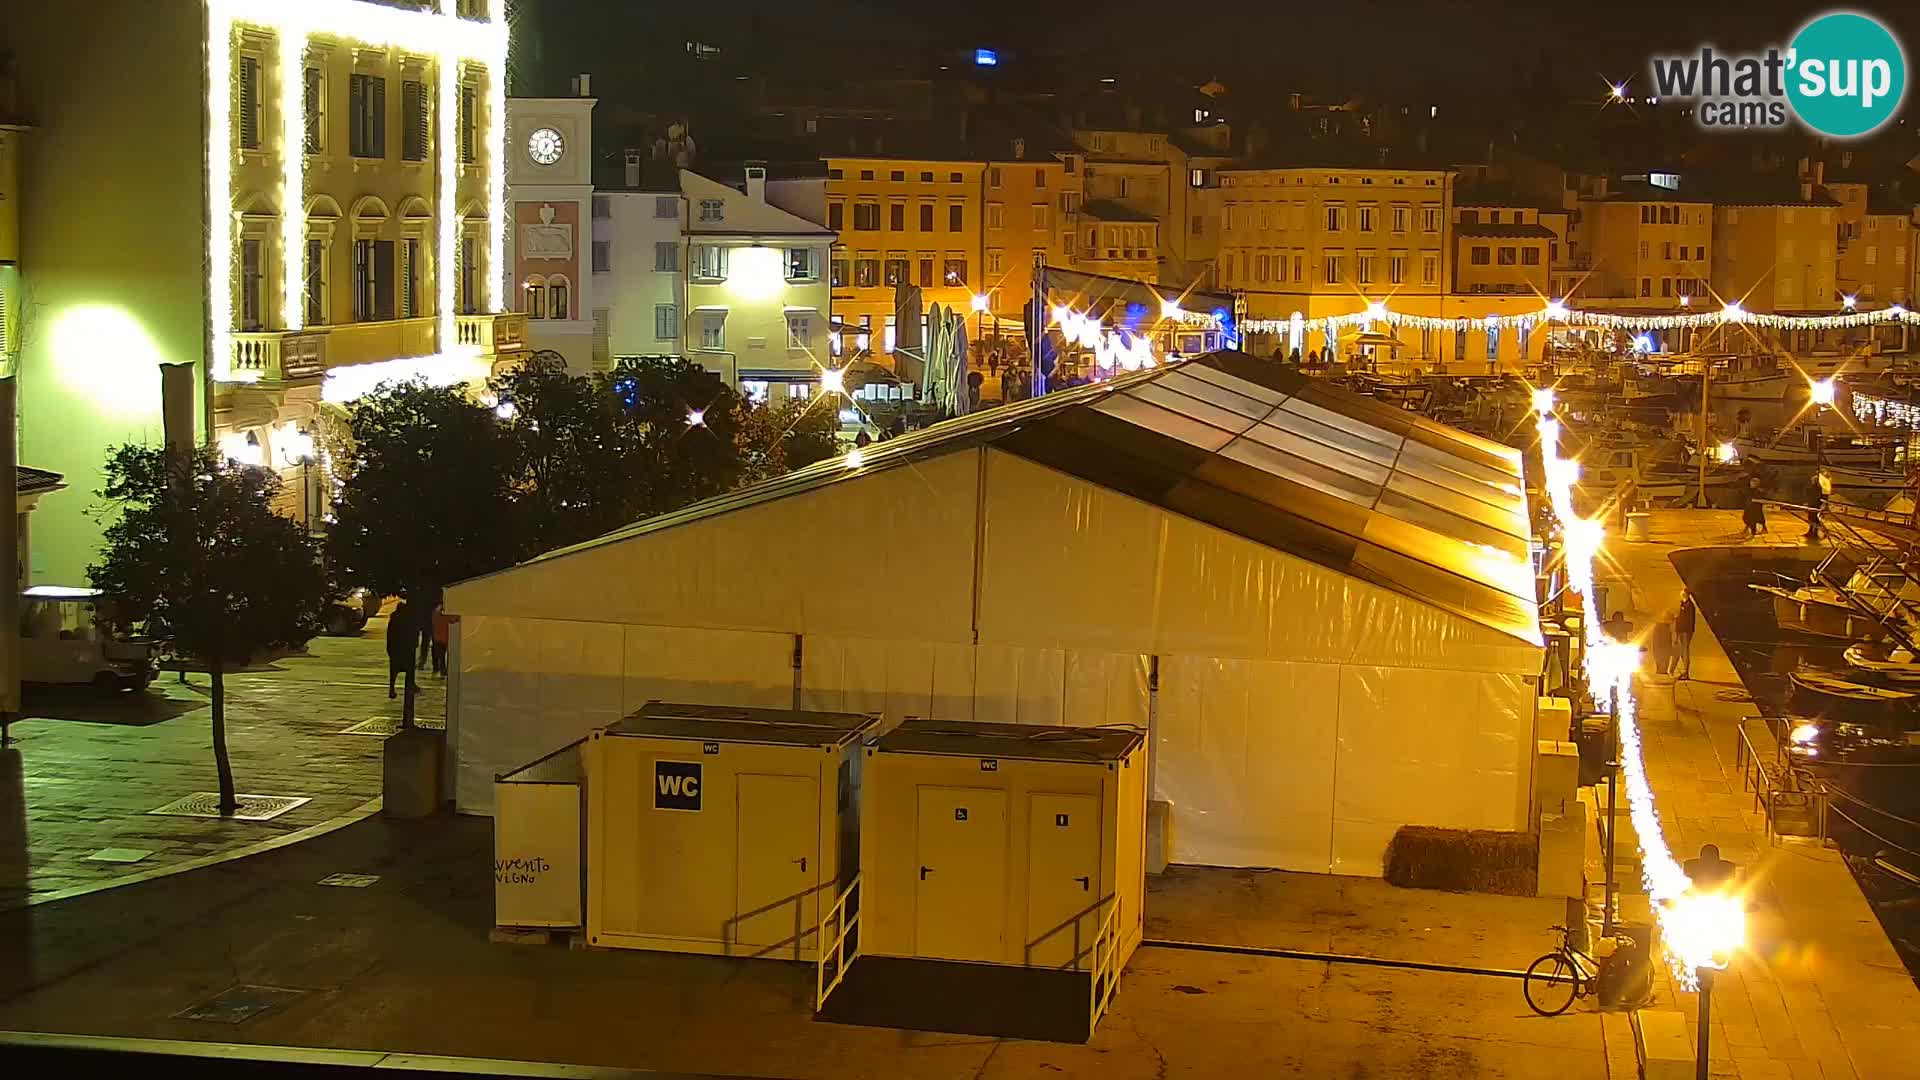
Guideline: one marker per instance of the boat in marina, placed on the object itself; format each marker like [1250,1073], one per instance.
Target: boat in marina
[1883,482]
[1887,662]
[1806,446]
[1756,378]
[1821,691]
[1857,613]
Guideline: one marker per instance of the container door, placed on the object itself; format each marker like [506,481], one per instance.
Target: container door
[777,857]
[1063,880]
[960,907]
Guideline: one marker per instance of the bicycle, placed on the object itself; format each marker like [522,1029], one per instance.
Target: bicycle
[1558,979]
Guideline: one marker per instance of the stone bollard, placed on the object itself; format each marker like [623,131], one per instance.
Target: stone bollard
[412,773]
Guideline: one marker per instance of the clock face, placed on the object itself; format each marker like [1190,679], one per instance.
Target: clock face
[545,146]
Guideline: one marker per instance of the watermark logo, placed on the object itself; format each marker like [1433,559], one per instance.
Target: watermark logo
[1843,75]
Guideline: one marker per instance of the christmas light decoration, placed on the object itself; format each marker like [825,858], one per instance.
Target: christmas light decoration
[1696,930]
[1821,391]
[1558,312]
[443,36]
[355,381]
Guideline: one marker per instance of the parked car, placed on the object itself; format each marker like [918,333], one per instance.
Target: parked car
[64,641]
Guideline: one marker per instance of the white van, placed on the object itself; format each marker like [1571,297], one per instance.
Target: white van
[63,642]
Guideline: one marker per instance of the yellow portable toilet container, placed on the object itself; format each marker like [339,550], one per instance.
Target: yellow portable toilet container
[720,830]
[1008,845]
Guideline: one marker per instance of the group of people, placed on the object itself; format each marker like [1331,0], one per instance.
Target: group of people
[413,623]
[1819,493]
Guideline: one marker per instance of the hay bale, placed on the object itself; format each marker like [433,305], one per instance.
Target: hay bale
[1464,860]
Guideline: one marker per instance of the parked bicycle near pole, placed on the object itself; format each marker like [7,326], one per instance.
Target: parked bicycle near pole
[1558,979]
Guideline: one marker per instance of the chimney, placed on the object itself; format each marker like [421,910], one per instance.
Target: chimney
[757,181]
[583,85]
[633,168]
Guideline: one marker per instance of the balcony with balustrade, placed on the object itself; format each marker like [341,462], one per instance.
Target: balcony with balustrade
[493,335]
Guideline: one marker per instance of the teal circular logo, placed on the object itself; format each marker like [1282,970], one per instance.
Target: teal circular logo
[1846,74]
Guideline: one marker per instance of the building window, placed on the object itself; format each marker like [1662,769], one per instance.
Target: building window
[1522,335]
[926,217]
[1330,269]
[896,270]
[409,278]
[836,216]
[469,271]
[1482,256]
[1260,269]
[1396,269]
[536,298]
[1530,256]
[372,280]
[955,178]
[1400,219]
[1039,178]
[996,216]
[414,120]
[602,207]
[469,123]
[316,283]
[1646,286]
[709,262]
[1666,286]
[1070,203]
[993,177]
[712,211]
[897,217]
[1336,218]
[666,322]
[866,272]
[1066,245]
[926,177]
[897,176]
[1363,265]
[367,122]
[803,264]
[1430,219]
[799,331]
[926,272]
[1493,343]
[1366,219]
[713,330]
[1643,249]
[996,261]
[1509,256]
[250,284]
[956,216]
[313,108]
[1460,344]
[602,256]
[954,273]
[248,130]
[666,206]
[1040,221]
[1469,217]
[839,269]
[866,174]
[666,255]
[1197,177]
[866,217]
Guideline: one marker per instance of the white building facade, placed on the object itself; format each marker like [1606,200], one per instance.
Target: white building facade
[638,258]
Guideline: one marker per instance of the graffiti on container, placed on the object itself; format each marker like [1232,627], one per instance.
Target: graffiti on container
[524,870]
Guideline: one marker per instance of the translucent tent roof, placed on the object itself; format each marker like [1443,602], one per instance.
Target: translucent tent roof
[1290,462]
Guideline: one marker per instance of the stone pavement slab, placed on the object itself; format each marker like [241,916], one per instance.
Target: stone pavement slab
[405,965]
[87,768]
[1820,992]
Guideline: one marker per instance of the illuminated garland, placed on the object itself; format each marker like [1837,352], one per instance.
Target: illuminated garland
[444,36]
[1697,930]
[1558,312]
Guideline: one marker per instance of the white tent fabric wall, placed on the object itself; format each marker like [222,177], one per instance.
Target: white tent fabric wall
[1303,713]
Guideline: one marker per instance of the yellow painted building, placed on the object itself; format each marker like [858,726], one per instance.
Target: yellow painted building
[917,221]
[1874,242]
[1648,248]
[1777,256]
[1501,245]
[281,208]
[1162,176]
[1033,208]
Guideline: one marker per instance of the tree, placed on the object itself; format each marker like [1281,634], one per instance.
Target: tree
[429,497]
[202,566]
[684,423]
[578,468]
[776,439]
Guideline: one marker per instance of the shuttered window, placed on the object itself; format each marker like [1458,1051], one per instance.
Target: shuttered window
[367,104]
[469,122]
[416,117]
[249,102]
[313,104]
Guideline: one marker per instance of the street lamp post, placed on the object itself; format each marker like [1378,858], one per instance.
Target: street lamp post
[1705,975]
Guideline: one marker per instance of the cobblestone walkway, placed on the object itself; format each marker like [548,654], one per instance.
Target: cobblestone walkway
[85,770]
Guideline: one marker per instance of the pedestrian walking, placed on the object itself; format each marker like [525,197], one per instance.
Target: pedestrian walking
[1818,492]
[401,628]
[1755,515]
[442,626]
[1684,621]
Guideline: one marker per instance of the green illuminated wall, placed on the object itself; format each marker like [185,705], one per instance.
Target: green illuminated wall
[112,271]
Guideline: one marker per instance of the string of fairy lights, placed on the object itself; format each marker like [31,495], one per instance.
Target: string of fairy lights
[1698,930]
[1557,311]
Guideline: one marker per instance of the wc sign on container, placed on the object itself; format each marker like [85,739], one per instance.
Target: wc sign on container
[676,785]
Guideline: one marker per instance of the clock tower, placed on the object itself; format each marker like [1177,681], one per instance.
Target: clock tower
[549,158]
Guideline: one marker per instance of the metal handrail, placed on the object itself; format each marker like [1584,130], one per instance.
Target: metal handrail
[1106,950]
[833,945]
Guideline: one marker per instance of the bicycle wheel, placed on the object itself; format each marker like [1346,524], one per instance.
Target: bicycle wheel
[1551,984]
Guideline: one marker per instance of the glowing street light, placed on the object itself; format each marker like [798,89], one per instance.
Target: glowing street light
[1557,309]
[1618,91]
[1849,300]
[833,381]
[1726,452]
[696,417]
[506,410]
[855,458]
[1543,401]
[1703,930]
[980,301]
[1170,309]
[1377,311]
[1821,391]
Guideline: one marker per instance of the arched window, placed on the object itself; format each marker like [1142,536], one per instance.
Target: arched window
[535,303]
[558,300]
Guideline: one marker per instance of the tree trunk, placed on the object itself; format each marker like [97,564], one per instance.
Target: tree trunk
[228,802]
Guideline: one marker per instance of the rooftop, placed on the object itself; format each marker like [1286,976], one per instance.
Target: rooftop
[1025,742]
[724,723]
[1506,230]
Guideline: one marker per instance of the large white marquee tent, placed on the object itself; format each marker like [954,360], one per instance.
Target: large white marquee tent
[1320,606]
